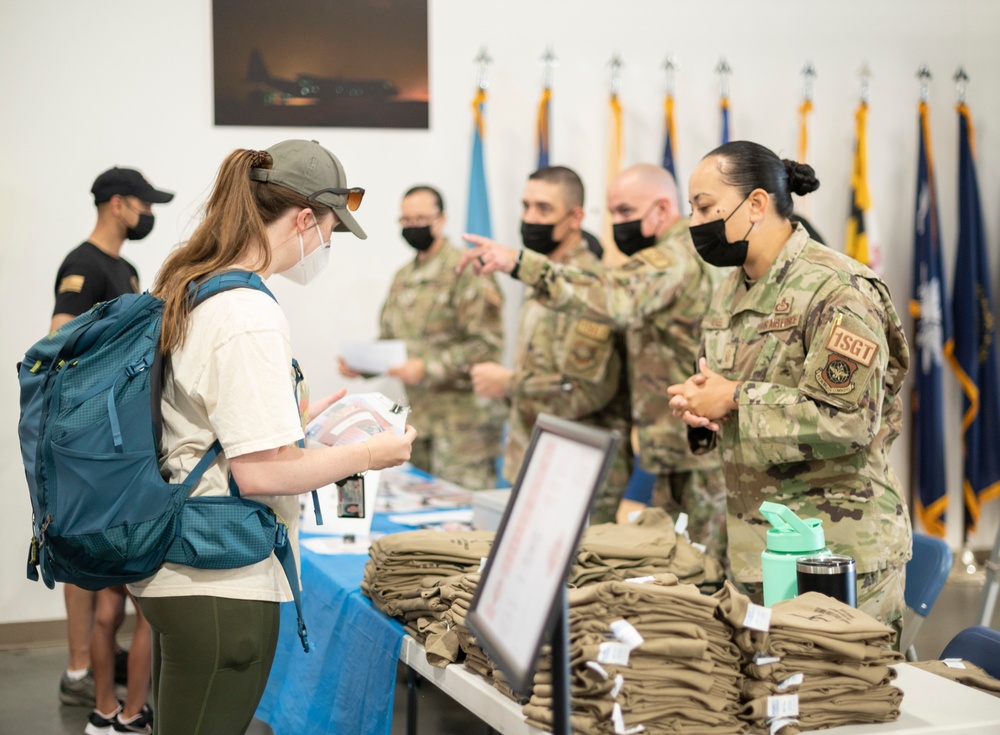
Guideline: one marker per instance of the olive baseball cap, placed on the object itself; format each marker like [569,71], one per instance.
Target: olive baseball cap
[306,167]
[126,182]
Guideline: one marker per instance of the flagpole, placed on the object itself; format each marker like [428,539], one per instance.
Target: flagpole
[544,132]
[612,255]
[478,219]
[804,204]
[862,240]
[671,66]
[934,343]
[809,77]
[724,71]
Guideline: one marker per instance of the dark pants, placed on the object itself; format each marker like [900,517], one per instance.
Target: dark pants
[211,660]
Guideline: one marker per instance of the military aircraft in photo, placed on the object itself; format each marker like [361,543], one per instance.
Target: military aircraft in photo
[308,89]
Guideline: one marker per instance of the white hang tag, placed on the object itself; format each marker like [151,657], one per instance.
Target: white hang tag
[792,681]
[758,617]
[626,633]
[783,705]
[614,653]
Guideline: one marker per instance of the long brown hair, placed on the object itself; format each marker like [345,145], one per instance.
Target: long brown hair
[232,231]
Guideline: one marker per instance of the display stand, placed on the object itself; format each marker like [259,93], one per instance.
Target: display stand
[560,667]
[521,598]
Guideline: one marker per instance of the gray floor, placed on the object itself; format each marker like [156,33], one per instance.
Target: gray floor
[29,678]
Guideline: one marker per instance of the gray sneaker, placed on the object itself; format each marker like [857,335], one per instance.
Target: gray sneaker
[79,693]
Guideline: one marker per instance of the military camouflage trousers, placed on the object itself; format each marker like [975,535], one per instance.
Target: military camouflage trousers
[610,495]
[880,594]
[702,495]
[465,455]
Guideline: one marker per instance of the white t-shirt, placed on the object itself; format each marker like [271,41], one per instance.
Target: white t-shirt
[232,379]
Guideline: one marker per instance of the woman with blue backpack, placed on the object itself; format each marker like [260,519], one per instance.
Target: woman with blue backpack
[229,376]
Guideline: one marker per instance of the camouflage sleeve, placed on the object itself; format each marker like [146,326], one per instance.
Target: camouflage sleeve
[589,363]
[479,310]
[387,313]
[836,407]
[624,295]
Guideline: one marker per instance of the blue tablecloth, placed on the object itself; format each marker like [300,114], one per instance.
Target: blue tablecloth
[345,684]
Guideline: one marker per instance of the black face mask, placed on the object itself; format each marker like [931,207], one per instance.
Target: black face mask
[538,237]
[419,238]
[713,247]
[629,237]
[142,228]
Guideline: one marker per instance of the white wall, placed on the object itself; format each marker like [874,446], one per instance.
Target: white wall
[88,85]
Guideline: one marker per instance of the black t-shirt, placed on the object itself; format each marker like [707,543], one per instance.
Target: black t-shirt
[88,276]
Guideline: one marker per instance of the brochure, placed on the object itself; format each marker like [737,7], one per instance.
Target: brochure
[355,418]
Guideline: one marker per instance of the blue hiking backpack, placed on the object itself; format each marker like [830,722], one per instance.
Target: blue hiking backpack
[90,428]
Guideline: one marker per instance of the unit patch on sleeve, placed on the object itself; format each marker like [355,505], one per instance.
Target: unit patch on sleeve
[836,377]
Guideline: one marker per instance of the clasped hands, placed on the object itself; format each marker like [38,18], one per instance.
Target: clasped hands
[704,399]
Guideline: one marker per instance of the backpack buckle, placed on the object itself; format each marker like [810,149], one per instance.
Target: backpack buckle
[140,366]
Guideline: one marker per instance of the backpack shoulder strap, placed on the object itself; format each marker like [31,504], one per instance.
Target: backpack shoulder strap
[227,281]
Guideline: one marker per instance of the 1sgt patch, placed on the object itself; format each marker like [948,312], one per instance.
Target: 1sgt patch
[854,346]
[837,377]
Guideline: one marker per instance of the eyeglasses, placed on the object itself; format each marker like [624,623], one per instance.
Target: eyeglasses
[417,221]
[354,196]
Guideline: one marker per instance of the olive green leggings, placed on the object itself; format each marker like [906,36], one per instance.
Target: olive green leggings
[211,659]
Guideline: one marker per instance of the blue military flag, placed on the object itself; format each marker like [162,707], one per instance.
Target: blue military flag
[668,143]
[932,324]
[975,355]
[543,128]
[478,217]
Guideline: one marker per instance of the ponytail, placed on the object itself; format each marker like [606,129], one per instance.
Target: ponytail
[234,230]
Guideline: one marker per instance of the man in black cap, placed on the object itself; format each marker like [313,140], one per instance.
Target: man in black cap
[95,272]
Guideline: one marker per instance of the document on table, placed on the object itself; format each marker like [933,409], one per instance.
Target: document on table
[373,357]
[328,545]
[433,517]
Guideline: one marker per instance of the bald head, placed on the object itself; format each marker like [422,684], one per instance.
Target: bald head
[647,180]
[645,192]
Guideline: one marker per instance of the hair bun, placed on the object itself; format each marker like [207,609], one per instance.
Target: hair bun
[801,177]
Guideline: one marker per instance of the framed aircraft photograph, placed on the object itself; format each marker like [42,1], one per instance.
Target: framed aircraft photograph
[321,63]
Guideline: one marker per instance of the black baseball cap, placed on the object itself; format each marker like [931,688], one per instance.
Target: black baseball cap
[126,182]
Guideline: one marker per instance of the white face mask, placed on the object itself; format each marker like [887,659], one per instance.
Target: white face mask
[309,266]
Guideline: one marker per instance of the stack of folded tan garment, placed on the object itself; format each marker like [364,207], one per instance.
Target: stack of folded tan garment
[449,639]
[649,546]
[407,573]
[646,657]
[964,672]
[815,663]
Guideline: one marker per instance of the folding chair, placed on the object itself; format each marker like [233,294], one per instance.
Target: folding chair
[926,574]
[978,645]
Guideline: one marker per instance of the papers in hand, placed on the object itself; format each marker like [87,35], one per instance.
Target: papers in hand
[357,417]
[373,357]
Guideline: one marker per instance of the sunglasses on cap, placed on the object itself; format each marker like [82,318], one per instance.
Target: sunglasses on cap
[354,196]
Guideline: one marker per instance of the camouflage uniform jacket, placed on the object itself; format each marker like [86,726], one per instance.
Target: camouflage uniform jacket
[823,356]
[564,365]
[451,321]
[658,297]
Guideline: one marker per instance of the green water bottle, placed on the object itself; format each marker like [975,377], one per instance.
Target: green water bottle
[789,539]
